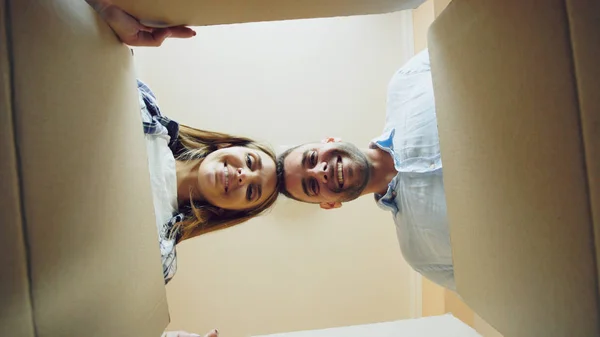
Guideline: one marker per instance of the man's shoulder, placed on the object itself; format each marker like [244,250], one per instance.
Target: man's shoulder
[420,61]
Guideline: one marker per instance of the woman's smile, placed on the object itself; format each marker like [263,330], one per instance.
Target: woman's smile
[222,175]
[225,177]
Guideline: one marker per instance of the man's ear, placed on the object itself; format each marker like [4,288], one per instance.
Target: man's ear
[330,205]
[331,140]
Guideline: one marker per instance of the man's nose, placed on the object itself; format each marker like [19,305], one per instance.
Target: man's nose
[320,172]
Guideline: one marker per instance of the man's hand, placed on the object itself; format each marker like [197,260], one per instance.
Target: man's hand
[131,32]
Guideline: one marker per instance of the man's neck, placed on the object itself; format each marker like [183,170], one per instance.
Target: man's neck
[382,170]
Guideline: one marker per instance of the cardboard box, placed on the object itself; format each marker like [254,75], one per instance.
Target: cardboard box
[78,240]
[516,86]
[204,13]
[519,127]
[79,245]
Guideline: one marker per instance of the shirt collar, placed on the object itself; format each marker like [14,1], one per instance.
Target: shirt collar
[385,142]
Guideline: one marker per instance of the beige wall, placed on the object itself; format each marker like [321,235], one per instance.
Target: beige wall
[422,17]
[288,82]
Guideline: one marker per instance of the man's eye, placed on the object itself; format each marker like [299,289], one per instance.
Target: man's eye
[313,158]
[314,187]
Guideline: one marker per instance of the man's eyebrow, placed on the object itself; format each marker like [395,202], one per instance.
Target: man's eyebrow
[304,187]
[304,157]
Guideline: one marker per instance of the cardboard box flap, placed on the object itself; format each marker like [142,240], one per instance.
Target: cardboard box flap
[584,24]
[515,162]
[205,12]
[94,260]
[15,311]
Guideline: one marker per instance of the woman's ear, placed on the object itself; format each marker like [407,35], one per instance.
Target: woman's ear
[331,140]
[330,205]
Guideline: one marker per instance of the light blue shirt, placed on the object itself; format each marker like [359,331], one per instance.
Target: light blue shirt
[416,195]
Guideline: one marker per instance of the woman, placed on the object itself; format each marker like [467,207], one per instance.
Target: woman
[202,181]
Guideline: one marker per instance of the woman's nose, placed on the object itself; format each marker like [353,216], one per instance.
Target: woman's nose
[241,176]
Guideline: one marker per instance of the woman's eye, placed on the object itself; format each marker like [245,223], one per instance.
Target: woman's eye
[249,161]
[313,158]
[249,192]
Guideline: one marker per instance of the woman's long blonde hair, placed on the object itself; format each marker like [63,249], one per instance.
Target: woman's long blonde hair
[201,217]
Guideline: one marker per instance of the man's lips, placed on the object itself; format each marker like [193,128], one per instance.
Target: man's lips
[339,172]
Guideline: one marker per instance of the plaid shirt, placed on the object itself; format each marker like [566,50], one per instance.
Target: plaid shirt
[156,124]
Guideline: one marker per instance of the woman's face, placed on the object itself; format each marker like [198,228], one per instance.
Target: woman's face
[237,178]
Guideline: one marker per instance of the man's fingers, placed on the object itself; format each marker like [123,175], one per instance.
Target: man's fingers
[181,32]
[143,28]
[154,39]
[160,35]
[214,333]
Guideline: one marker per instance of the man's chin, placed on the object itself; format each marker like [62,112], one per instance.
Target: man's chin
[349,199]
[355,191]
[351,195]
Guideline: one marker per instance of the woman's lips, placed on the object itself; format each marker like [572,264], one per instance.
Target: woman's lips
[225,177]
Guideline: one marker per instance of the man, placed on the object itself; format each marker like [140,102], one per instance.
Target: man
[402,168]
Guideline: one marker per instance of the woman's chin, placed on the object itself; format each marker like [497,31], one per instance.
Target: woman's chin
[219,202]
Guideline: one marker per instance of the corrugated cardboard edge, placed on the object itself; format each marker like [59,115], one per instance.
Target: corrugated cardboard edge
[202,13]
[16,308]
[584,16]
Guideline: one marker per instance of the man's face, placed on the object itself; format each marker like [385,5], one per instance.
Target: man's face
[327,173]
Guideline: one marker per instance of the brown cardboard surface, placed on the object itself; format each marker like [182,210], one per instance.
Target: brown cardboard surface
[516,121]
[15,311]
[584,20]
[76,208]
[204,12]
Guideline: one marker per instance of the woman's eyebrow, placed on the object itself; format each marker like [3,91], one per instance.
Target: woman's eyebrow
[258,160]
[259,190]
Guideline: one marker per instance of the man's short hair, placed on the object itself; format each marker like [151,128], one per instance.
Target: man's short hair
[281,172]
